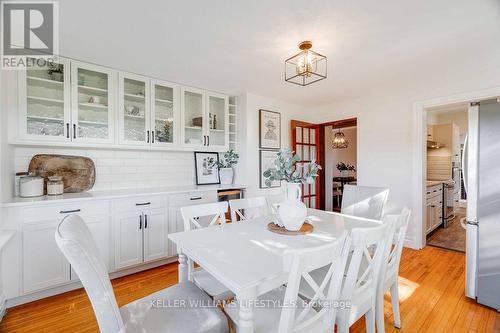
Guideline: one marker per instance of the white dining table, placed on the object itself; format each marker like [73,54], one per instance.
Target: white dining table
[248,258]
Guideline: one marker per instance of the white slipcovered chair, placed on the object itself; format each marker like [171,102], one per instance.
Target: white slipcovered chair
[202,216]
[246,208]
[76,243]
[364,201]
[367,252]
[390,269]
[276,311]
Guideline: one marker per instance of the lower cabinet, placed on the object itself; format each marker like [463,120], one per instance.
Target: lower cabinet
[44,265]
[434,209]
[140,235]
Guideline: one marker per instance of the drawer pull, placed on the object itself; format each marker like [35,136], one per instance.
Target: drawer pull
[70,211]
[195,198]
[143,204]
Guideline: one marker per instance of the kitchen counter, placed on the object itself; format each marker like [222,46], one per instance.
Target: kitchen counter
[112,194]
[434,182]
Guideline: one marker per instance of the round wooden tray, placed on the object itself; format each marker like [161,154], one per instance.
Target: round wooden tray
[307,228]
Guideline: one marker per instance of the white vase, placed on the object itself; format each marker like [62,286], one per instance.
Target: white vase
[344,173]
[293,212]
[226,176]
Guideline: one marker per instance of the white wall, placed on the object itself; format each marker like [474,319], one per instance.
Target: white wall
[333,156]
[248,136]
[386,125]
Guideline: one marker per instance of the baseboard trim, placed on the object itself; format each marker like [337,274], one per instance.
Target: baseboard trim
[77,284]
[3,306]
[411,243]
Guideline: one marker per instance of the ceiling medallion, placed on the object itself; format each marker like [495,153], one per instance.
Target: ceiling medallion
[305,67]
[339,140]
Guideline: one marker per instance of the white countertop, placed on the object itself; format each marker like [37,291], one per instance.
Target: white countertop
[435,182]
[112,194]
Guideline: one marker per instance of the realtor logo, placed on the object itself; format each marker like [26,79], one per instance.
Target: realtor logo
[28,29]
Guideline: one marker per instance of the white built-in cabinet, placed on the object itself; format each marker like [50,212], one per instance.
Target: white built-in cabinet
[44,266]
[205,118]
[79,104]
[140,231]
[434,208]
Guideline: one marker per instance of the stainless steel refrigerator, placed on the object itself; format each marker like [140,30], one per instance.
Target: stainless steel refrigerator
[481,167]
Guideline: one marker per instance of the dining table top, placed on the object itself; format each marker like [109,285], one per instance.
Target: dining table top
[247,255]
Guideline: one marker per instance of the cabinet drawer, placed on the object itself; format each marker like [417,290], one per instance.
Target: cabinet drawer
[433,191]
[139,202]
[192,198]
[56,211]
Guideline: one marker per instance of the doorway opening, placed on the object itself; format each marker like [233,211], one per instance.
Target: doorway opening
[445,204]
[339,162]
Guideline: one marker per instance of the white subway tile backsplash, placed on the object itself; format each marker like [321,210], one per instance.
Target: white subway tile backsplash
[124,169]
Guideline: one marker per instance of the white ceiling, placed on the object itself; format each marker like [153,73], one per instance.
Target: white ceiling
[240,46]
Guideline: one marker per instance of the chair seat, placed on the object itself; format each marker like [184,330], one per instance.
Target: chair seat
[164,312]
[211,285]
[266,316]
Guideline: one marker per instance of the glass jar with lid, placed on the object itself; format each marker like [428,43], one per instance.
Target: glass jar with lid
[55,185]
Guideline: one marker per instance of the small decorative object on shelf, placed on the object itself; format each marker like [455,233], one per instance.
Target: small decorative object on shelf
[215,122]
[344,169]
[292,213]
[226,171]
[55,71]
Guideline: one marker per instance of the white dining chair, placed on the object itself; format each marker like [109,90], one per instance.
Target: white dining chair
[76,243]
[364,201]
[390,268]
[242,209]
[367,251]
[282,310]
[202,216]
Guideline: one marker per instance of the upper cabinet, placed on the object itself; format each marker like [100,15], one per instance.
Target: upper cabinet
[92,97]
[44,102]
[75,103]
[205,119]
[133,97]
[165,107]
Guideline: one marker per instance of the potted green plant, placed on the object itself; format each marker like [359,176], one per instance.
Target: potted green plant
[293,212]
[344,169]
[225,166]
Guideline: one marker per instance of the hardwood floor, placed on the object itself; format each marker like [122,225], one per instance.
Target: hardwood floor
[431,290]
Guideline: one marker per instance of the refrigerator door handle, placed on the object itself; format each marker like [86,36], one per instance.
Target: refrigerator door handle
[464,163]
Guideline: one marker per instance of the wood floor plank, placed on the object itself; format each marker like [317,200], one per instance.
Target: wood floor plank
[431,289]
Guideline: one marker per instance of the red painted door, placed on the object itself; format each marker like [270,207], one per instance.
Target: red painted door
[306,143]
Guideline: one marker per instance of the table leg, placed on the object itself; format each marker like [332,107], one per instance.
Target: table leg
[183,267]
[245,302]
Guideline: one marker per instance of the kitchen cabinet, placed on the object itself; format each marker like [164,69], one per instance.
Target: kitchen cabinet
[205,118]
[165,114]
[434,208]
[430,132]
[176,223]
[92,103]
[43,264]
[141,231]
[44,102]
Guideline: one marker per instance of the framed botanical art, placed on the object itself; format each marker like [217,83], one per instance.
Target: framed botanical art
[269,129]
[266,161]
[205,168]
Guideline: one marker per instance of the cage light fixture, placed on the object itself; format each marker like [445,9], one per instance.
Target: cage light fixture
[305,67]
[339,140]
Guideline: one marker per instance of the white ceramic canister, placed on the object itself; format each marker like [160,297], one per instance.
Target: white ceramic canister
[31,186]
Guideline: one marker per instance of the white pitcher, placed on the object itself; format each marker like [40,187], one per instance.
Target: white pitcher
[293,212]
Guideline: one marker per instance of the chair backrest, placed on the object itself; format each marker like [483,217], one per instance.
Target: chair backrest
[364,201]
[75,241]
[368,251]
[299,263]
[400,222]
[206,215]
[252,207]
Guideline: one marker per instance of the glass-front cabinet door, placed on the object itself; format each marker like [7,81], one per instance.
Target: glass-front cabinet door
[164,113]
[134,110]
[92,103]
[44,101]
[194,118]
[217,110]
